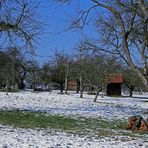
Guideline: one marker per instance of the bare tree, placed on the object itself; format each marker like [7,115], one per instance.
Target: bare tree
[8,62]
[131,81]
[123,31]
[6,70]
[33,74]
[60,70]
[66,76]
[45,75]
[19,22]
[80,58]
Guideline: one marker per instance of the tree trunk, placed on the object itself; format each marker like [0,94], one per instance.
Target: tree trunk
[78,87]
[77,90]
[6,87]
[66,78]
[143,79]
[91,89]
[81,88]
[66,85]
[81,93]
[96,96]
[49,86]
[21,85]
[131,89]
[131,92]
[102,94]
[61,87]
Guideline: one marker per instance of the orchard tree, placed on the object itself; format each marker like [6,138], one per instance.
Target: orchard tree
[19,26]
[59,71]
[93,67]
[80,57]
[13,68]
[122,27]
[6,70]
[131,81]
[19,22]
[33,74]
[18,67]
[45,75]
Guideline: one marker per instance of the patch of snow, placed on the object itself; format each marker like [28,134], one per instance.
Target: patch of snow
[40,138]
[72,105]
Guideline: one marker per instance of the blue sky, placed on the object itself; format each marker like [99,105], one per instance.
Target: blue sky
[57,19]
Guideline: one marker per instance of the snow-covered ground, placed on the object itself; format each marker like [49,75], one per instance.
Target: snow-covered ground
[27,138]
[70,105]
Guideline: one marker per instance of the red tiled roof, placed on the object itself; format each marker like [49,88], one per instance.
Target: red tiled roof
[114,78]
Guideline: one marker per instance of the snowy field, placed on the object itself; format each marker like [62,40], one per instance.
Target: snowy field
[21,138]
[71,105]
[107,107]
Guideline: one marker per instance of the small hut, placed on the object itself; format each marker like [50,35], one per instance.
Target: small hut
[72,84]
[114,82]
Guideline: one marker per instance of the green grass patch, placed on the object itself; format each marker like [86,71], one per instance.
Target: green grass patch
[35,120]
[83,126]
[41,120]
